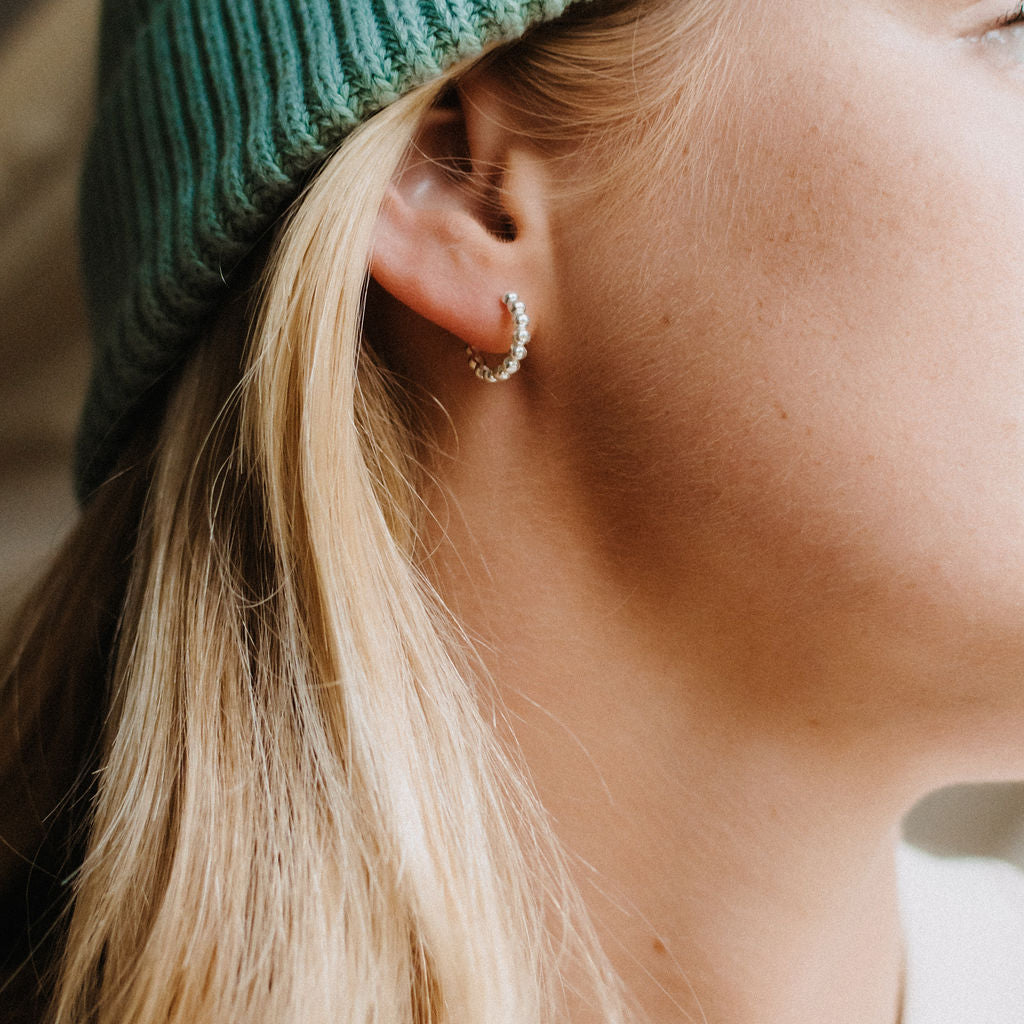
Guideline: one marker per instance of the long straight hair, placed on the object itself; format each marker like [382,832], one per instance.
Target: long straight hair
[301,809]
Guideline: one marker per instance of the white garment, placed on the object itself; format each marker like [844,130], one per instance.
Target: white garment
[963,921]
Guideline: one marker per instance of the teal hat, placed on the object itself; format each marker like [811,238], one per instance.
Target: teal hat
[210,115]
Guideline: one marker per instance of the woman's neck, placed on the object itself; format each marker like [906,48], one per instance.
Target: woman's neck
[737,873]
[738,859]
[730,882]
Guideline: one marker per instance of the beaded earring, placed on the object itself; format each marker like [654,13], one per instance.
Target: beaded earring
[515,355]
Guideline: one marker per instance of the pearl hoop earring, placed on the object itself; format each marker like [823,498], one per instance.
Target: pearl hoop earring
[515,355]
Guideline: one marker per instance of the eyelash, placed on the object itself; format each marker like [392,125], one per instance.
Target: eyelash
[1014,17]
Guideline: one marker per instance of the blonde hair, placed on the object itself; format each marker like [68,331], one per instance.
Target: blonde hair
[303,810]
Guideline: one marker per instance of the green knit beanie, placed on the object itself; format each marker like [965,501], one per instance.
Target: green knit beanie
[210,114]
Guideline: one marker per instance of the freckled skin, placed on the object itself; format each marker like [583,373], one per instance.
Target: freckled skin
[815,445]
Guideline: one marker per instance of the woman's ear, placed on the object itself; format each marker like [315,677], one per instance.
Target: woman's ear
[464,221]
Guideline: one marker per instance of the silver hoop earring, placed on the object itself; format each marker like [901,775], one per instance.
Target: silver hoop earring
[515,355]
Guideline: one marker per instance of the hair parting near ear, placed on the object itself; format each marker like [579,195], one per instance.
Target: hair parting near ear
[302,801]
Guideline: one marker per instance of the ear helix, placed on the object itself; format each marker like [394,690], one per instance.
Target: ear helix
[515,355]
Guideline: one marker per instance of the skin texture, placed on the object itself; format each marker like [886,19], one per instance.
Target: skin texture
[745,537]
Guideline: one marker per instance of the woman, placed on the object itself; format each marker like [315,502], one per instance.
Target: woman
[428,652]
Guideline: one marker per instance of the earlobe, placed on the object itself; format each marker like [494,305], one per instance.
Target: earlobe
[452,238]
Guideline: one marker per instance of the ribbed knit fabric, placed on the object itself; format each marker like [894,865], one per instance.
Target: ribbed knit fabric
[210,114]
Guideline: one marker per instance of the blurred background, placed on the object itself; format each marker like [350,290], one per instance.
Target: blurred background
[46,49]
[46,55]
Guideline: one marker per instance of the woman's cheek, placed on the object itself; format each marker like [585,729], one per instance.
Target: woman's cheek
[831,379]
